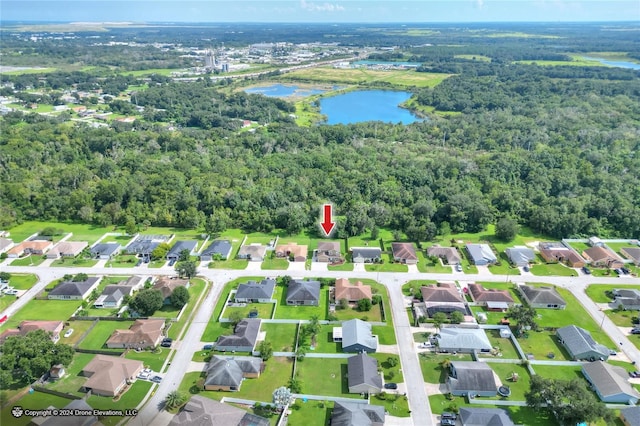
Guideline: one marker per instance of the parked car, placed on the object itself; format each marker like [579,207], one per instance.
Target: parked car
[166,342]
[525,268]
[635,331]
[448,419]
[625,271]
[634,374]
[69,332]
[459,268]
[156,379]
[391,386]
[172,262]
[207,347]
[613,352]
[139,262]
[586,270]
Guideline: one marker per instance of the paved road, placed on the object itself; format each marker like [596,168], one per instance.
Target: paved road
[152,413]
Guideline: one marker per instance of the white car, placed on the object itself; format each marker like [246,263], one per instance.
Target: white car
[68,333]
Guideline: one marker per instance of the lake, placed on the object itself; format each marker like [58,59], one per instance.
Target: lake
[283,91]
[367,105]
[619,64]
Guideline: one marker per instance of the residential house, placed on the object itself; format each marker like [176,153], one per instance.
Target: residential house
[602,257]
[35,247]
[292,251]
[404,253]
[5,244]
[453,339]
[144,245]
[112,296]
[67,249]
[448,254]
[301,292]
[357,337]
[520,256]
[366,254]
[74,290]
[356,414]
[227,373]
[167,285]
[243,338]
[253,292]
[252,252]
[135,282]
[632,253]
[105,251]
[109,375]
[179,247]
[481,254]
[630,416]
[75,406]
[484,417]
[580,345]
[472,378]
[363,375]
[142,334]
[542,297]
[351,292]
[52,327]
[627,299]
[206,411]
[328,252]
[610,382]
[493,299]
[221,248]
[553,252]
[444,297]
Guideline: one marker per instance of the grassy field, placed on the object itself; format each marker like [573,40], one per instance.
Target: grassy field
[99,335]
[79,327]
[597,292]
[300,312]
[542,343]
[390,373]
[197,286]
[34,401]
[324,376]
[426,265]
[30,260]
[275,263]
[481,58]
[122,261]
[504,268]
[518,388]
[395,404]
[281,336]
[277,373]
[53,310]
[130,399]
[73,381]
[364,76]
[413,287]
[78,262]
[160,71]
[237,264]
[324,341]
[20,282]
[310,413]
[151,359]
[81,231]
[351,313]
[432,371]
[264,310]
[388,266]
[576,61]
[564,372]
[553,269]
[621,318]
[505,346]
[346,266]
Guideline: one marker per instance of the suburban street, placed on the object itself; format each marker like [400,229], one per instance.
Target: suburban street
[152,413]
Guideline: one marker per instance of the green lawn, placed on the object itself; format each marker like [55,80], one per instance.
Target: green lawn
[324,376]
[397,405]
[301,312]
[99,335]
[30,260]
[504,268]
[542,343]
[413,287]
[518,388]
[387,266]
[129,400]
[167,311]
[277,372]
[123,261]
[34,401]
[264,310]
[154,264]
[505,346]
[432,371]
[390,373]
[603,272]
[275,263]
[79,327]
[351,313]
[560,372]
[151,359]
[196,288]
[553,269]
[78,262]
[281,336]
[81,231]
[73,380]
[237,264]
[53,310]
[324,341]
[421,337]
[189,386]
[386,334]
[20,282]
[346,266]
[597,292]
[579,247]
[310,413]
[621,318]
[426,265]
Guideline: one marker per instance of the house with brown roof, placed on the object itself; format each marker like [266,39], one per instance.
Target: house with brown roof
[53,327]
[252,252]
[205,411]
[167,285]
[328,252]
[556,252]
[109,375]
[352,292]
[449,254]
[493,299]
[601,256]
[142,334]
[443,297]
[632,253]
[67,249]
[292,251]
[404,253]
[36,247]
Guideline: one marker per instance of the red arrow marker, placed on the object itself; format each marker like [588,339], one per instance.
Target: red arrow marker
[327,224]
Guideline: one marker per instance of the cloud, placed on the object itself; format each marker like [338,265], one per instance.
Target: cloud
[324,7]
[480,3]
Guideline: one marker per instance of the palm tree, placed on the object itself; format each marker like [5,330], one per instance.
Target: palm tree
[445,363]
[175,399]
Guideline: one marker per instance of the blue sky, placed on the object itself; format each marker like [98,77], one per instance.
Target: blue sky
[320,10]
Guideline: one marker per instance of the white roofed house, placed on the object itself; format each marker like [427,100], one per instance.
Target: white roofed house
[67,249]
[610,382]
[520,256]
[453,339]
[481,254]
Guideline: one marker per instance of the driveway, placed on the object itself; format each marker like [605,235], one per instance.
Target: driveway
[254,266]
[359,267]
[319,266]
[413,269]
[483,270]
[297,266]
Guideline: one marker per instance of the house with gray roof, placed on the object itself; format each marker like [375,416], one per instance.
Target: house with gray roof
[243,339]
[70,420]
[112,296]
[610,382]
[627,299]
[630,416]
[471,378]
[484,417]
[105,251]
[252,252]
[6,244]
[180,246]
[520,256]
[74,290]
[356,414]
[631,253]
[450,254]
[580,345]
[357,337]
[254,292]
[227,373]
[443,297]
[541,297]
[366,254]
[143,245]
[201,411]
[363,375]
[218,247]
[481,254]
[453,339]
[301,292]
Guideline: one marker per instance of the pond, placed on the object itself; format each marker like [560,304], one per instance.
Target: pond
[619,64]
[284,91]
[367,105]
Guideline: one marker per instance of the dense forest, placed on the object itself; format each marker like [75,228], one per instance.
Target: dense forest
[555,148]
